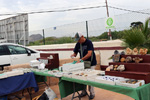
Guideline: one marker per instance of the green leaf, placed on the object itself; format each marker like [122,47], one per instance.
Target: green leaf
[134,38]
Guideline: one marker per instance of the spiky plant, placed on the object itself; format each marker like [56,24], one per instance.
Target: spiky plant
[137,37]
[133,38]
[145,29]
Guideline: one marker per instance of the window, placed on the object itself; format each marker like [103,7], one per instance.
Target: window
[3,51]
[17,50]
[31,51]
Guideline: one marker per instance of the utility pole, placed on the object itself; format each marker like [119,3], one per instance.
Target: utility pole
[108,16]
[43,37]
[87,29]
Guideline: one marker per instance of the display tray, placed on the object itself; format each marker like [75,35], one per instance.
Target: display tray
[131,84]
[14,73]
[80,75]
[55,73]
[68,75]
[82,78]
[86,74]
[131,74]
[72,67]
[91,78]
[107,79]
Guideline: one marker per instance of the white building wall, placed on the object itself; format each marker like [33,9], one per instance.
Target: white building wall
[15,29]
[104,54]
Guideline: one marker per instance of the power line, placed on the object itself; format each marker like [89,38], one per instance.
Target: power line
[83,5]
[67,9]
[73,9]
[129,10]
[48,11]
[124,6]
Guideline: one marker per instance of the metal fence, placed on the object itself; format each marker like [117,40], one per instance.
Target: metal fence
[95,27]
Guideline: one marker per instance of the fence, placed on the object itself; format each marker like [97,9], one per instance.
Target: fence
[95,27]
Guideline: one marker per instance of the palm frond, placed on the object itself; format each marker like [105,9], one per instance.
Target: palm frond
[145,29]
[134,38]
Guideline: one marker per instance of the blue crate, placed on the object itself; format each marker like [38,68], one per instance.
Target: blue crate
[3,97]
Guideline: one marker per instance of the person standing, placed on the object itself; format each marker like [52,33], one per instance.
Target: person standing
[86,50]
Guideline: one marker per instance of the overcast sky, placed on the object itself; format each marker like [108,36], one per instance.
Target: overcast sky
[47,20]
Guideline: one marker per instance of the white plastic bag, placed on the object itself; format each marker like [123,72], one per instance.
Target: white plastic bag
[50,93]
[34,63]
[41,66]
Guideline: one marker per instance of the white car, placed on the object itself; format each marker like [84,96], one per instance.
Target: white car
[12,54]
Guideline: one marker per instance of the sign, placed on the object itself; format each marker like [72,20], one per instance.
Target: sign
[54,28]
[109,22]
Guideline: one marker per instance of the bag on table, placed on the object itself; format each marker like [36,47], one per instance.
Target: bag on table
[43,97]
[87,64]
[48,94]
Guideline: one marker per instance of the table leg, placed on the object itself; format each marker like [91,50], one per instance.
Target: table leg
[75,92]
[29,91]
[46,84]
[86,92]
[23,92]
[45,81]
[79,95]
[73,96]
[87,95]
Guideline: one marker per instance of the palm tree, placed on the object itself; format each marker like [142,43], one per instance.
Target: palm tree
[138,37]
[145,29]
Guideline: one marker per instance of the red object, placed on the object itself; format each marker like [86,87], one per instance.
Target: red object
[53,60]
[108,34]
[140,71]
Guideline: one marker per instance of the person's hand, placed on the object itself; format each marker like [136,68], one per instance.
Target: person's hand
[72,56]
[78,61]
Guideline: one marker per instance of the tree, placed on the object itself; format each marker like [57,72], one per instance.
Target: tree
[136,24]
[138,36]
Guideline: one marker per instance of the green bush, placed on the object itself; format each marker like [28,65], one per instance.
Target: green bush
[138,37]
[134,38]
[53,40]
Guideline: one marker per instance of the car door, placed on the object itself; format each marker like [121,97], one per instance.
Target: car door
[5,59]
[19,55]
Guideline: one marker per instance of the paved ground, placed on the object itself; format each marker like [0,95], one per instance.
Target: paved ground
[100,94]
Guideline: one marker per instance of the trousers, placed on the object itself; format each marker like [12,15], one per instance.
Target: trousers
[90,88]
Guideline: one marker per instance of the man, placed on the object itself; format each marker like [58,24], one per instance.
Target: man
[88,55]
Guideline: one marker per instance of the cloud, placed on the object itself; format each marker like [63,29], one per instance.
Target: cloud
[47,20]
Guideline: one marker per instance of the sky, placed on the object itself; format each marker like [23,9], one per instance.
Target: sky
[47,20]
